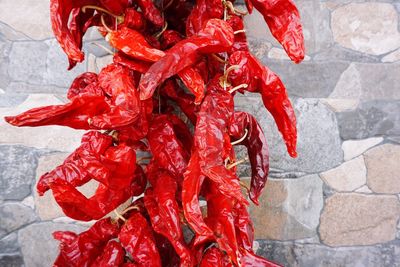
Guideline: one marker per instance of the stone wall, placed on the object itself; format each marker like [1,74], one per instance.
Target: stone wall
[337,204]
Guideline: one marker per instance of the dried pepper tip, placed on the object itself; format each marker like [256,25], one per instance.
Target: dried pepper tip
[120,18]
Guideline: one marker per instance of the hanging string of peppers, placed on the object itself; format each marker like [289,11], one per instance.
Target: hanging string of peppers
[174,59]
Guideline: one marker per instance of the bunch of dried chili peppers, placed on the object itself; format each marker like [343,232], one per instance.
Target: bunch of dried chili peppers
[170,92]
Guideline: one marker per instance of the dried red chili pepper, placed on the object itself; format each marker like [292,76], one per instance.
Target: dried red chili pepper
[217,36]
[263,80]
[80,85]
[112,256]
[151,12]
[203,11]
[115,6]
[82,250]
[137,238]
[163,209]
[246,125]
[237,24]
[130,63]
[214,257]
[283,20]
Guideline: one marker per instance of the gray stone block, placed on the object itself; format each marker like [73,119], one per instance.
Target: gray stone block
[318,143]
[308,79]
[28,62]
[13,216]
[372,118]
[11,260]
[17,171]
[9,244]
[340,53]
[306,255]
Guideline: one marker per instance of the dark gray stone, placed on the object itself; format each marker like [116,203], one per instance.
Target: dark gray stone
[340,53]
[13,216]
[308,79]
[9,244]
[372,118]
[28,62]
[318,143]
[57,64]
[11,260]
[299,255]
[38,238]
[17,171]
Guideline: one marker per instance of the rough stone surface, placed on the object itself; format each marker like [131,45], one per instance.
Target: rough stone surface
[341,105]
[30,18]
[9,244]
[14,216]
[349,84]
[339,53]
[306,255]
[47,137]
[298,79]
[383,169]
[46,207]
[289,209]
[57,64]
[314,122]
[366,27]
[11,260]
[347,177]
[392,57]
[28,66]
[364,189]
[40,237]
[5,48]
[17,171]
[359,219]
[354,148]
[372,118]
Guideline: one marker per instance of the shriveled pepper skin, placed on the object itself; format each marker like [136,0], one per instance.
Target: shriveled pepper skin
[262,80]
[137,238]
[257,149]
[216,36]
[80,85]
[82,250]
[283,20]
[214,257]
[113,255]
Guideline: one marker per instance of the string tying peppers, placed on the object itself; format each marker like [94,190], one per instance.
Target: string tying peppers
[169,93]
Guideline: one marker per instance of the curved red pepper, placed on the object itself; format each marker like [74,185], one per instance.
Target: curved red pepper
[112,256]
[201,13]
[137,238]
[217,36]
[263,80]
[283,20]
[80,85]
[214,257]
[115,6]
[151,12]
[82,250]
[257,149]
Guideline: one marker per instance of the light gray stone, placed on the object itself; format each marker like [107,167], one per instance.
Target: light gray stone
[351,219]
[28,62]
[383,169]
[9,244]
[18,88]
[17,171]
[5,48]
[347,177]
[341,105]
[38,238]
[339,53]
[57,64]
[29,202]
[372,118]
[308,79]
[10,100]
[305,255]
[289,209]
[101,62]
[10,34]
[392,57]
[279,53]
[30,18]
[364,189]
[349,85]
[13,216]
[47,137]
[11,260]
[366,27]
[318,143]
[354,148]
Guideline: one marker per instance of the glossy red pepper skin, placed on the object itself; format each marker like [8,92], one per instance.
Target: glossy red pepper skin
[163,209]
[214,257]
[216,36]
[60,11]
[137,238]
[237,24]
[283,20]
[113,255]
[201,13]
[211,139]
[80,85]
[257,149]
[263,80]
[130,63]
[82,250]
[115,6]
[151,12]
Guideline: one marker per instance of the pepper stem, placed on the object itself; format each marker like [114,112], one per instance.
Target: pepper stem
[119,216]
[157,35]
[223,81]
[218,58]
[239,31]
[104,48]
[120,18]
[105,24]
[240,86]
[230,166]
[244,186]
[130,208]
[241,139]
[234,10]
